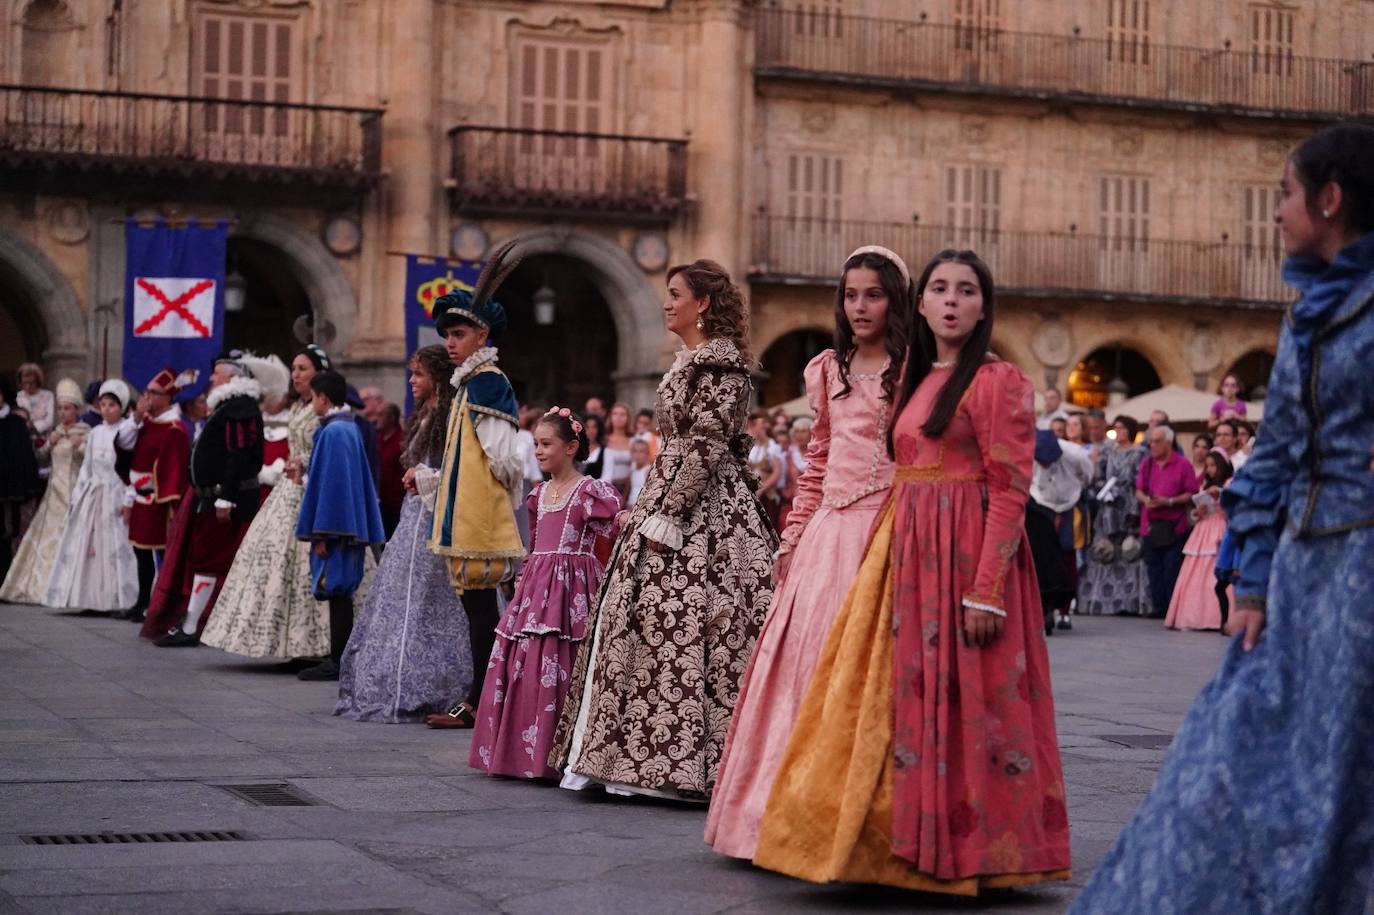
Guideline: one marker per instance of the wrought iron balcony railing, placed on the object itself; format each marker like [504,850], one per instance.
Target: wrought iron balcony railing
[517,170]
[189,135]
[788,249]
[806,44]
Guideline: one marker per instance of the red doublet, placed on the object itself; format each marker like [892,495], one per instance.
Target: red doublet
[160,475]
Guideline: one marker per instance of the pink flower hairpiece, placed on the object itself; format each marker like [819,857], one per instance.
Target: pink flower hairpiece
[566,414]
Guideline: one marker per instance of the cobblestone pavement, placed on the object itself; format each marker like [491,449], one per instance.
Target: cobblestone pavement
[101,732]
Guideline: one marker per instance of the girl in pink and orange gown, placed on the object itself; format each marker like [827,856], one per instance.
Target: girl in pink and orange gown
[926,755]
[1194,603]
[848,472]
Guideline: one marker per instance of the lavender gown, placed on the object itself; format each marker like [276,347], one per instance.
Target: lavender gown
[408,655]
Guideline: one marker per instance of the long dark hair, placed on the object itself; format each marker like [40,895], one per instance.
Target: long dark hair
[921,356]
[427,426]
[899,309]
[1341,154]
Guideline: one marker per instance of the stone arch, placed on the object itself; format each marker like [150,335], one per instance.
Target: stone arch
[331,294]
[1169,363]
[634,303]
[52,303]
[785,358]
[44,33]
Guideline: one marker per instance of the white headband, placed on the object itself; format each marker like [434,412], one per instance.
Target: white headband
[886,253]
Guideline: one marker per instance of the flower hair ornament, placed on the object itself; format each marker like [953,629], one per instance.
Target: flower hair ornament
[886,254]
[566,414]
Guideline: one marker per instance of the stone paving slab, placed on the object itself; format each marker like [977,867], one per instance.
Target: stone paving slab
[100,731]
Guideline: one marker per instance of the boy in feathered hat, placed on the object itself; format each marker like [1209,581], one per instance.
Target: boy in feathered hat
[157,476]
[480,483]
[223,497]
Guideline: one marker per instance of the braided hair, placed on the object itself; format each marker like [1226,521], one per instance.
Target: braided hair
[427,426]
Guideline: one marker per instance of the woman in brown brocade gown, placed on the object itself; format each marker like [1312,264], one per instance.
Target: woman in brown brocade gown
[690,580]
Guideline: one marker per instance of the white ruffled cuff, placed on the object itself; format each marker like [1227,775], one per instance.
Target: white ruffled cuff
[270,474]
[225,504]
[662,529]
[985,608]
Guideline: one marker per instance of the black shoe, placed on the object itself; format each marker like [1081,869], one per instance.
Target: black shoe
[325,670]
[133,614]
[1065,623]
[175,638]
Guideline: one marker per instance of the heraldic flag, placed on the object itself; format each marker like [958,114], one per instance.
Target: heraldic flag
[173,300]
[427,278]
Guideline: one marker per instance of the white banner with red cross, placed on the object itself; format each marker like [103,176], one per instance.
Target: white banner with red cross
[174,306]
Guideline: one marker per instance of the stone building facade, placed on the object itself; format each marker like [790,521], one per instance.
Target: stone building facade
[1115,162]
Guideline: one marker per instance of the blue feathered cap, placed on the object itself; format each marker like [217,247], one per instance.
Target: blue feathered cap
[458,306]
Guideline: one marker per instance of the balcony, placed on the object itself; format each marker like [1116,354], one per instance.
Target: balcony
[516,171]
[900,54]
[189,136]
[1048,265]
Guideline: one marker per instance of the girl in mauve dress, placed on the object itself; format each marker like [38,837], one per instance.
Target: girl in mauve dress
[1195,603]
[844,484]
[925,754]
[544,624]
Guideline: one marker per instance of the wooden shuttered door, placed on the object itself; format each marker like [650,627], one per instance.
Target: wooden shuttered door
[976,24]
[246,58]
[1271,41]
[973,204]
[1128,31]
[1124,232]
[1261,250]
[813,194]
[563,86]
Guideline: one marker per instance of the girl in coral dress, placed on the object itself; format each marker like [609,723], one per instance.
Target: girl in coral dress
[926,757]
[543,626]
[1194,604]
[845,481]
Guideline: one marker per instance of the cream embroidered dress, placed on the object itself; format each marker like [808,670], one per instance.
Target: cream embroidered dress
[28,577]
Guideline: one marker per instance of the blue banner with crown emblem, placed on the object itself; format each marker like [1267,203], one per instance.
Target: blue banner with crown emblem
[427,278]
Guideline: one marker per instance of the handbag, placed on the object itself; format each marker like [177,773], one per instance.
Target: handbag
[1162,535]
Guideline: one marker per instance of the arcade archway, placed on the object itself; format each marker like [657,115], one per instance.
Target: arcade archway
[784,362]
[273,299]
[1111,374]
[41,319]
[568,345]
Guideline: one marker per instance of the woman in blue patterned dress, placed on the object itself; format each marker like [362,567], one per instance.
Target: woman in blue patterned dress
[1266,802]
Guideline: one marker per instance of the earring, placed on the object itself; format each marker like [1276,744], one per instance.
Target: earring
[1326,214]
[701,325]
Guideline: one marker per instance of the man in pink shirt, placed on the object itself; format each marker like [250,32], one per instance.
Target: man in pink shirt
[1164,487]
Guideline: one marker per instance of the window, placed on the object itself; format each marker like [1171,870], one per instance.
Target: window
[1124,213]
[1128,31]
[48,42]
[976,23]
[815,184]
[819,19]
[973,199]
[1271,41]
[245,58]
[1261,234]
[563,85]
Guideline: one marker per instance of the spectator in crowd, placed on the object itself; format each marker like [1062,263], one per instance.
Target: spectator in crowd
[1076,432]
[1245,437]
[787,482]
[1114,578]
[1228,405]
[35,399]
[615,462]
[646,429]
[594,428]
[778,421]
[368,430]
[91,417]
[194,412]
[639,468]
[1195,603]
[766,458]
[1060,427]
[1201,445]
[373,402]
[1059,474]
[390,443]
[1164,487]
[1054,409]
[595,407]
[1225,433]
[796,455]
[1157,418]
[529,415]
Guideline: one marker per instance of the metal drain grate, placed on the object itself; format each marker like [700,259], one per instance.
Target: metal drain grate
[132,838]
[270,795]
[1139,741]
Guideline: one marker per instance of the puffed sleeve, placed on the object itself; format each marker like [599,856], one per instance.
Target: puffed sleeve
[809,484]
[1255,502]
[1002,409]
[603,503]
[719,392]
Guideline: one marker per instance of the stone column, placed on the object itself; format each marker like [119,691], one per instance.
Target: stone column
[716,152]
[409,212]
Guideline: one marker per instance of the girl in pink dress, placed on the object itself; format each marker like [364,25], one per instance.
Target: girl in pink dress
[1194,603]
[543,626]
[847,476]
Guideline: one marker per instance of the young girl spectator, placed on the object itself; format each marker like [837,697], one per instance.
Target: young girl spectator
[1194,603]
[841,486]
[594,462]
[95,567]
[409,655]
[1201,446]
[1228,405]
[615,467]
[641,459]
[766,458]
[543,626]
[35,399]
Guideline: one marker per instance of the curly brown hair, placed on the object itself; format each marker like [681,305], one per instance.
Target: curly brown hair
[427,426]
[726,314]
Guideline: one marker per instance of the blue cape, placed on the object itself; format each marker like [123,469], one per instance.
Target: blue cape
[340,507]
